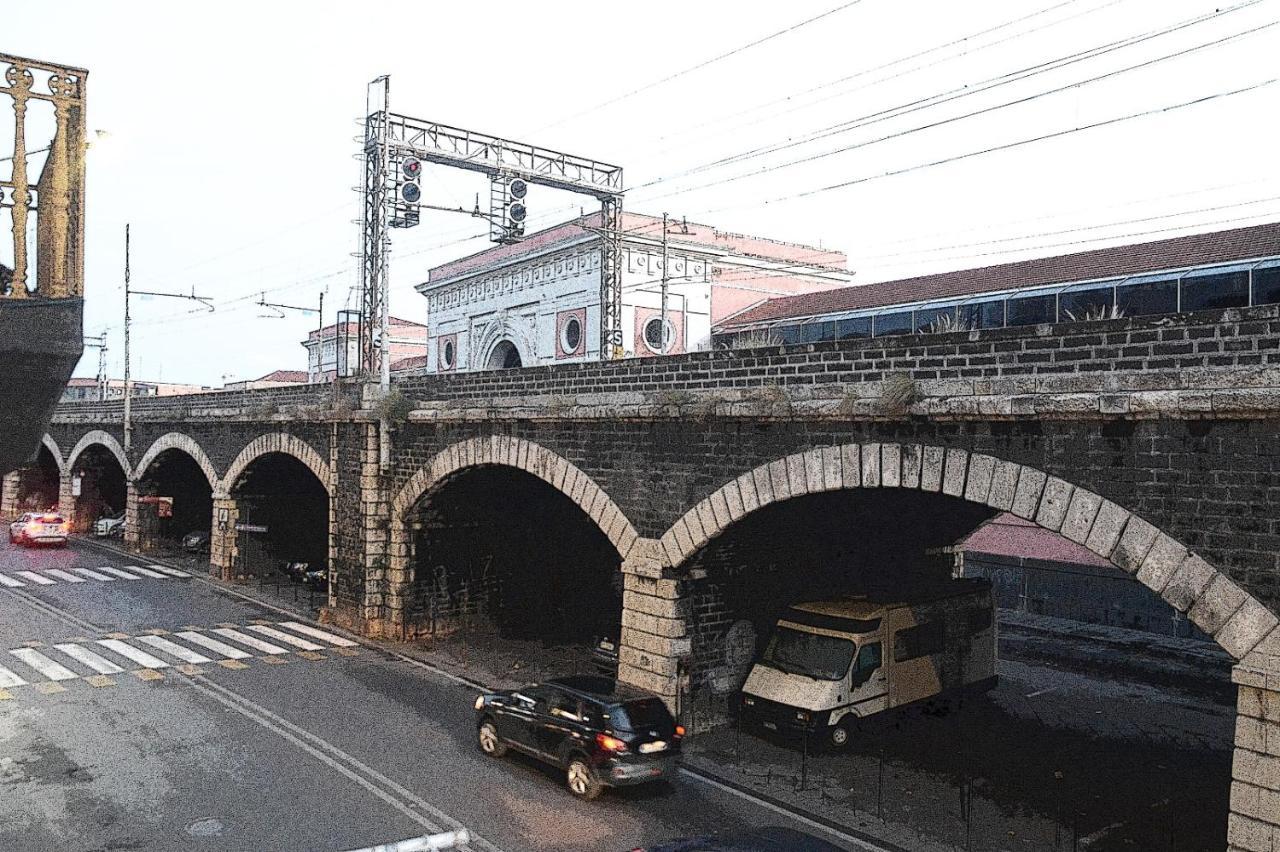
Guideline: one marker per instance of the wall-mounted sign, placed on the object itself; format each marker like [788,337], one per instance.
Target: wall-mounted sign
[253,528]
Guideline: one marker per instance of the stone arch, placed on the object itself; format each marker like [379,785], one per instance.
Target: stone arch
[532,458]
[1212,601]
[178,441]
[516,332]
[558,472]
[52,446]
[104,439]
[275,442]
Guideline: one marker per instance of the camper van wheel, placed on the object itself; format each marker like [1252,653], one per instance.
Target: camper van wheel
[840,735]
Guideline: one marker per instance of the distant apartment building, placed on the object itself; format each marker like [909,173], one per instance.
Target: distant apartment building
[274,379]
[82,389]
[538,301]
[335,348]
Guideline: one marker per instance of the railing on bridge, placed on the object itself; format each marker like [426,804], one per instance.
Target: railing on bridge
[41,284]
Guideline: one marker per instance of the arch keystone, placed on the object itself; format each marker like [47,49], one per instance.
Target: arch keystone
[870,465]
[891,465]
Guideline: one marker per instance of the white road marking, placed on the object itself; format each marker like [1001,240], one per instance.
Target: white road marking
[244,639]
[1042,691]
[101,665]
[142,658]
[307,630]
[146,572]
[36,578]
[172,572]
[6,580]
[123,575]
[214,645]
[63,575]
[285,637]
[89,572]
[173,649]
[8,678]
[44,665]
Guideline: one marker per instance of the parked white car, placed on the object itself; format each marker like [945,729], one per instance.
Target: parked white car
[111,526]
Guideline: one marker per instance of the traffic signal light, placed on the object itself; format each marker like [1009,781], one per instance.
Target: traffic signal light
[411,180]
[517,189]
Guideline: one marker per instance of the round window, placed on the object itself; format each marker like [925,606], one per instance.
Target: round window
[571,335]
[654,338]
[447,354]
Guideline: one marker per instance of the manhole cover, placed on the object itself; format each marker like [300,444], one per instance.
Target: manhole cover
[208,827]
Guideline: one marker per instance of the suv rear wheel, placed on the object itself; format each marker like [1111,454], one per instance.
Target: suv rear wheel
[582,781]
[487,737]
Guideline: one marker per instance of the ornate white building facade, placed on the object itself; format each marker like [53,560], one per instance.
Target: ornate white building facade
[538,301]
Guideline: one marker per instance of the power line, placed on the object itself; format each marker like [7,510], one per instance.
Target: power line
[883,66]
[698,66]
[873,118]
[1006,146]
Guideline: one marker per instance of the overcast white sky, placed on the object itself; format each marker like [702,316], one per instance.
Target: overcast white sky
[231,147]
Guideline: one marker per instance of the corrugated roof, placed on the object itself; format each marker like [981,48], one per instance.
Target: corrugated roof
[296,376]
[1197,249]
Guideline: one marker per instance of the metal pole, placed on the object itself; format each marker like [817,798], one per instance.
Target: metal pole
[128,386]
[662,334]
[384,283]
[320,345]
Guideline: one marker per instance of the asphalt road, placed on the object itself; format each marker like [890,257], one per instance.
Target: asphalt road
[126,746]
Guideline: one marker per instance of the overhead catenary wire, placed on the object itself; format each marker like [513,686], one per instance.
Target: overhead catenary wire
[700,65]
[874,118]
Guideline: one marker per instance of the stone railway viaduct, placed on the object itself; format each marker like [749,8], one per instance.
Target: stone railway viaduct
[1155,442]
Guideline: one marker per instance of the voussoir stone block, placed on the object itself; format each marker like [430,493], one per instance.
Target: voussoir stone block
[890,465]
[1164,557]
[1246,628]
[1080,515]
[851,464]
[1054,503]
[1107,528]
[1026,497]
[912,462]
[1004,484]
[796,475]
[815,476]
[1188,582]
[1135,541]
[832,470]
[870,465]
[747,490]
[982,470]
[954,472]
[1219,602]
[931,472]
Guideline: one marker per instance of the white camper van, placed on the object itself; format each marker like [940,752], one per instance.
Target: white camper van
[829,663]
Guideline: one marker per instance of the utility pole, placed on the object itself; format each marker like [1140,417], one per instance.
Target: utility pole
[662,331]
[279,308]
[128,388]
[128,384]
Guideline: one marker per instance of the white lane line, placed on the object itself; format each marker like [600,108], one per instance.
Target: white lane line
[272,633]
[214,645]
[244,639]
[94,575]
[8,678]
[142,658]
[44,665]
[6,580]
[172,572]
[36,578]
[1042,691]
[101,665]
[146,572]
[173,649]
[63,575]
[307,630]
[116,572]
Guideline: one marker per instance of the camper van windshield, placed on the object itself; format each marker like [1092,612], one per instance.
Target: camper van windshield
[811,654]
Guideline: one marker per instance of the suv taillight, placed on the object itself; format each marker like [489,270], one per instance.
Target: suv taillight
[609,743]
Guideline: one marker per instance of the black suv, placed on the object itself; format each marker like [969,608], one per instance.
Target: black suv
[601,733]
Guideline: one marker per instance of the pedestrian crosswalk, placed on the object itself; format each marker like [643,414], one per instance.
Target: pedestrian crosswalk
[103,574]
[148,655]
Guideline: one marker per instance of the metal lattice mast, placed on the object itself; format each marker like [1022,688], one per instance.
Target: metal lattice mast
[611,278]
[374,238]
